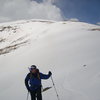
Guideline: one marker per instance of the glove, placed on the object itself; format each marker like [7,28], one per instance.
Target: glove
[49,73]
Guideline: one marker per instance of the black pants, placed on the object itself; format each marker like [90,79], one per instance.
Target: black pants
[36,94]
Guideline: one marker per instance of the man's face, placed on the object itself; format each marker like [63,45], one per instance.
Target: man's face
[33,70]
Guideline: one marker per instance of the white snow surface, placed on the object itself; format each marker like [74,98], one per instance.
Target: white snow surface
[71,50]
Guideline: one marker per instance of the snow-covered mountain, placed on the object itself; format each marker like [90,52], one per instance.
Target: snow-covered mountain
[71,50]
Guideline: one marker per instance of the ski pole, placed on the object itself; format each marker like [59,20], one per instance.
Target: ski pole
[55,88]
[27,96]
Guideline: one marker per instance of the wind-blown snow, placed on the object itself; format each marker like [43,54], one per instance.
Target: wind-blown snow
[69,49]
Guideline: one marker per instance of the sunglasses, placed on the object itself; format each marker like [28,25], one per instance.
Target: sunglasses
[33,68]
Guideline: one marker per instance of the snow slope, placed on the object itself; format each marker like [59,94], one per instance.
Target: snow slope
[71,50]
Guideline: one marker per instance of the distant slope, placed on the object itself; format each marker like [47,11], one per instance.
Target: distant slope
[71,50]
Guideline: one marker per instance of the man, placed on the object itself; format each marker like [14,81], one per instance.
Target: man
[33,82]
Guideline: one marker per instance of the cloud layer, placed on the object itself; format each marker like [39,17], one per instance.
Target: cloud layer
[98,23]
[26,9]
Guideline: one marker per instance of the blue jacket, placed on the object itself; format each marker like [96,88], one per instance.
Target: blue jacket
[33,82]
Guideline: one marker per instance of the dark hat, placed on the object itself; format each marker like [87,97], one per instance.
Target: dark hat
[33,67]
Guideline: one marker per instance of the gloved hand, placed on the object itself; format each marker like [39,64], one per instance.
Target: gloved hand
[50,73]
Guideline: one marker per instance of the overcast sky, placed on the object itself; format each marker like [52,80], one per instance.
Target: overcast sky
[84,10]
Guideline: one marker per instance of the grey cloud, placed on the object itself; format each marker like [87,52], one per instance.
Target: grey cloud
[26,9]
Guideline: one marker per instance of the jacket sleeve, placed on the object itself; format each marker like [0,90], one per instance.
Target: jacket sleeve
[26,81]
[44,76]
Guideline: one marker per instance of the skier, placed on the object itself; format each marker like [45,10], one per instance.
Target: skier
[33,82]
